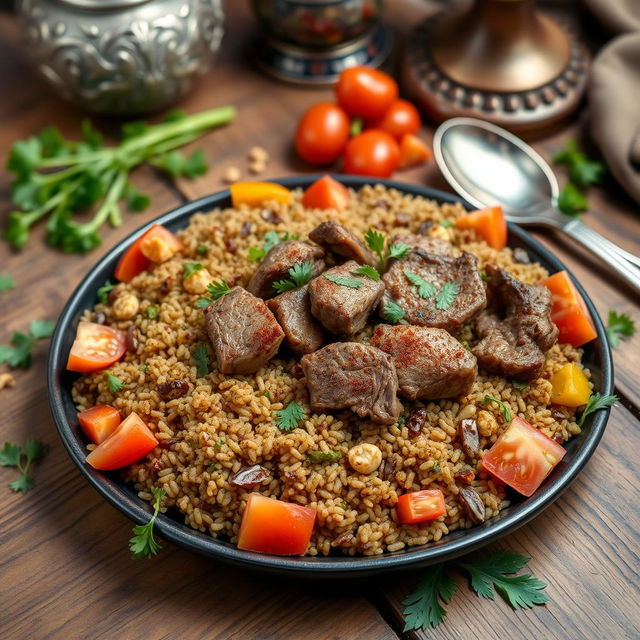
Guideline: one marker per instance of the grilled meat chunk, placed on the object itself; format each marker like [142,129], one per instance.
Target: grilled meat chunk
[292,309]
[438,271]
[276,264]
[342,242]
[350,375]
[430,363]
[344,309]
[426,243]
[243,332]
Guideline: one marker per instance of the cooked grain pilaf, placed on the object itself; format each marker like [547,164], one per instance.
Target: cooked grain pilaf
[225,423]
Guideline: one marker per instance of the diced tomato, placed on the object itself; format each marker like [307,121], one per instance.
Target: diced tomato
[413,151]
[326,193]
[569,312]
[273,526]
[130,442]
[253,194]
[96,347]
[523,456]
[157,241]
[99,422]
[488,223]
[420,506]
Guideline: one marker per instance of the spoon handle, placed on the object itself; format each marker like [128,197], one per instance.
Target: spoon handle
[625,264]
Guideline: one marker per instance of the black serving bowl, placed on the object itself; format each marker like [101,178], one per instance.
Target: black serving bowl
[579,449]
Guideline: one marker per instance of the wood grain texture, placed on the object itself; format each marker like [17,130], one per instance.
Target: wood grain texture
[66,572]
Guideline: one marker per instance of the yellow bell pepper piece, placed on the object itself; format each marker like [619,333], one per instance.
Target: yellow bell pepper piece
[253,194]
[570,386]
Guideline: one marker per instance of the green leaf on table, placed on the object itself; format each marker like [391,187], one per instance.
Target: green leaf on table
[620,326]
[582,171]
[423,608]
[195,165]
[143,544]
[10,455]
[25,156]
[41,329]
[92,137]
[571,200]
[52,143]
[18,354]
[171,162]
[136,200]
[6,282]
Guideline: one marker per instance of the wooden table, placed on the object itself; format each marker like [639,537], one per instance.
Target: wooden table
[66,571]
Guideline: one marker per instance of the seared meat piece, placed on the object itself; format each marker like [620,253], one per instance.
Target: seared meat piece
[350,375]
[514,346]
[436,270]
[342,242]
[243,332]
[276,264]
[303,333]
[426,243]
[430,363]
[343,309]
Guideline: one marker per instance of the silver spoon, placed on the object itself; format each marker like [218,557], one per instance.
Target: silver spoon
[487,165]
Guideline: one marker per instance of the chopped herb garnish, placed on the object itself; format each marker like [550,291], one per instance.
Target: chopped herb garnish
[203,303]
[266,394]
[212,466]
[402,420]
[12,455]
[217,289]
[596,401]
[200,359]
[217,445]
[270,240]
[484,276]
[436,468]
[447,223]
[398,251]
[103,291]
[143,544]
[189,268]
[392,312]
[571,200]
[18,354]
[152,312]
[425,289]
[582,171]
[6,282]
[299,275]
[114,384]
[376,241]
[506,414]
[202,249]
[344,281]
[143,367]
[465,344]
[289,417]
[447,295]
[520,384]
[324,456]
[620,326]
[255,255]
[367,271]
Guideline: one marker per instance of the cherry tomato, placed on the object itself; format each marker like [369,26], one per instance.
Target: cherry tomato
[273,526]
[326,193]
[322,133]
[366,92]
[99,422]
[130,442]
[488,223]
[523,456]
[420,506]
[96,347]
[400,118]
[372,153]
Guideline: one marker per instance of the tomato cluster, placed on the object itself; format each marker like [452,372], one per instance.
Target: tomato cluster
[365,97]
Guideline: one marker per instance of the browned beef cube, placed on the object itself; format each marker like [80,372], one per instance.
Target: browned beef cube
[340,308]
[350,375]
[292,309]
[426,307]
[276,264]
[430,363]
[342,242]
[426,243]
[243,332]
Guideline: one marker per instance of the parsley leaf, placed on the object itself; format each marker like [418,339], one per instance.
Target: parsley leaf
[218,288]
[425,289]
[506,414]
[202,249]
[344,281]
[203,303]
[583,171]
[367,271]
[423,608]
[289,417]
[392,312]
[114,384]
[152,312]
[255,255]
[189,268]
[300,274]
[324,456]
[376,241]
[18,354]
[195,165]
[571,200]
[398,251]
[620,326]
[6,282]
[12,455]
[143,544]
[447,295]
[41,328]
[136,200]
[447,223]
[520,384]
[200,359]
[283,285]
[103,291]
[596,401]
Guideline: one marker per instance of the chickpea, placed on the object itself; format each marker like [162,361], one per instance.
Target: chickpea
[197,282]
[126,306]
[365,457]
[6,381]
[231,175]
[442,233]
[157,249]
[258,154]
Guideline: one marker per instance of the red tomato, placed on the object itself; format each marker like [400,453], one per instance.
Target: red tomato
[322,133]
[400,118]
[366,92]
[130,442]
[420,506]
[273,526]
[136,259]
[326,193]
[569,312]
[96,347]
[523,456]
[99,422]
[489,224]
[372,153]
[413,151]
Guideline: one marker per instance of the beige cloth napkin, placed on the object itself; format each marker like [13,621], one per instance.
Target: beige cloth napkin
[614,92]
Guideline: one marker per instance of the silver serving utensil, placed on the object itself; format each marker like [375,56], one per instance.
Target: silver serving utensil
[487,165]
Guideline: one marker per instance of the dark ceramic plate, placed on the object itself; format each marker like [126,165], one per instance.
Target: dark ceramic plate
[579,449]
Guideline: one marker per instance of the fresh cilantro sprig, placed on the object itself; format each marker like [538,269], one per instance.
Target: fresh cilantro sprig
[12,455]
[393,312]
[216,290]
[344,281]
[376,243]
[6,282]
[270,240]
[582,171]
[571,201]
[200,359]
[447,295]
[323,456]
[504,409]
[367,271]
[423,608]
[596,401]
[189,268]
[620,326]
[19,353]
[114,384]
[143,544]
[299,275]
[104,290]
[425,289]
[289,417]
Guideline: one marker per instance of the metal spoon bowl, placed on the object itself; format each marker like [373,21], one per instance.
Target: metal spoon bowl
[488,166]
